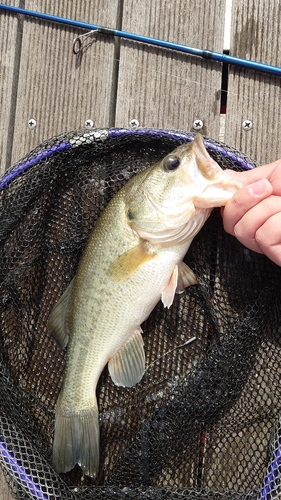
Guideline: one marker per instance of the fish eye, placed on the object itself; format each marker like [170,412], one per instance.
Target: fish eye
[171,163]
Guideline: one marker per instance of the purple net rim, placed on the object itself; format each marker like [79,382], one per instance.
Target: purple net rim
[112,133]
[115,133]
[273,475]
[34,160]
[22,474]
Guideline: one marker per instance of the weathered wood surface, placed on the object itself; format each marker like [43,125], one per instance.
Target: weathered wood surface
[9,61]
[168,89]
[255,96]
[5,489]
[116,80]
[54,87]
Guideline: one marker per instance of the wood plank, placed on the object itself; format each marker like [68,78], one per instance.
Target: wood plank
[5,490]
[56,88]
[168,89]
[9,62]
[255,96]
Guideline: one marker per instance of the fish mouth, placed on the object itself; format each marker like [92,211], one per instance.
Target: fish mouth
[214,186]
[218,193]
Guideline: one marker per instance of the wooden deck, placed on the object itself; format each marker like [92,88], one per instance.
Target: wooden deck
[115,80]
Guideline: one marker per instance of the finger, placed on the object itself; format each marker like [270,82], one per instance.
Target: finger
[247,176]
[250,229]
[268,238]
[270,172]
[242,201]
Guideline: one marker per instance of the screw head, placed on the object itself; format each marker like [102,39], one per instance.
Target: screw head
[247,125]
[31,123]
[134,123]
[89,123]
[197,124]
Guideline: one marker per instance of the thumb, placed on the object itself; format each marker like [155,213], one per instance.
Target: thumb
[243,200]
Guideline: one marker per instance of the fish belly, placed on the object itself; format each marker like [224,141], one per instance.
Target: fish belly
[108,315]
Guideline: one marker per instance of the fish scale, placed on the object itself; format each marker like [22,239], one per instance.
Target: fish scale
[133,259]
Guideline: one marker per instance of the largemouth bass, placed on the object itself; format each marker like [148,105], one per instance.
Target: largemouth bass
[133,259]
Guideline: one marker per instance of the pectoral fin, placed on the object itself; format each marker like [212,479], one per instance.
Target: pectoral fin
[127,366]
[181,277]
[57,324]
[125,265]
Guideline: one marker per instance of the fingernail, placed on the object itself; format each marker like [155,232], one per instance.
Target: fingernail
[258,188]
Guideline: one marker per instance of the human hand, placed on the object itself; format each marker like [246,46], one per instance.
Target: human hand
[253,214]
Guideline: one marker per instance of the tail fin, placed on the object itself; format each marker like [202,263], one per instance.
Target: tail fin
[76,440]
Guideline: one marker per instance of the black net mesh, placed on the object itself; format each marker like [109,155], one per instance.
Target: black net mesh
[205,420]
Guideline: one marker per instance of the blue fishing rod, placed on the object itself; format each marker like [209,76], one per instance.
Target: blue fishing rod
[206,54]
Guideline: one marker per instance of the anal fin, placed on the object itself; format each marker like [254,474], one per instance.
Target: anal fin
[127,366]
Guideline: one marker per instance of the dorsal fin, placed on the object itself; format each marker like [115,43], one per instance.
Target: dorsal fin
[57,324]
